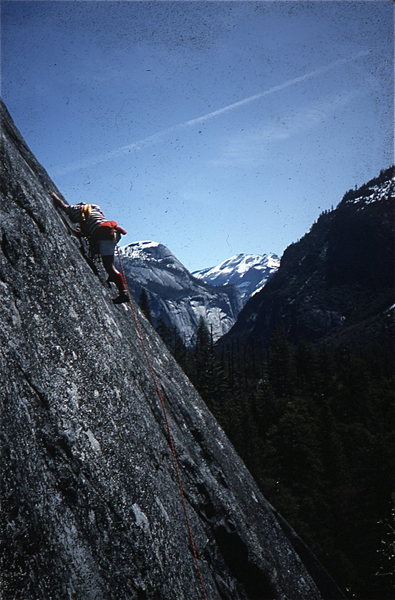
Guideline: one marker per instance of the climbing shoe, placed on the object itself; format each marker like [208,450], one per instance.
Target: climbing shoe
[123,297]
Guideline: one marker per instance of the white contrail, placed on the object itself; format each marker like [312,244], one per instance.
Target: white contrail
[156,137]
[272,90]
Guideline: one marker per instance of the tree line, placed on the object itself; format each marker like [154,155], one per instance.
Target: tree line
[314,426]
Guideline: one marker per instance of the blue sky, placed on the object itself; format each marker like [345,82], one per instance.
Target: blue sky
[212,127]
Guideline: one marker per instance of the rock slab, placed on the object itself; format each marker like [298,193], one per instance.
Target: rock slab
[91,508]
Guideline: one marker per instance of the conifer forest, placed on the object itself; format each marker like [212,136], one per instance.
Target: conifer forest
[313,423]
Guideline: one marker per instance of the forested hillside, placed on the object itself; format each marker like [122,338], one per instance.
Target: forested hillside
[303,385]
[314,424]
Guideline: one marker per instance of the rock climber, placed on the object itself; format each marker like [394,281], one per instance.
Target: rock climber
[103,236]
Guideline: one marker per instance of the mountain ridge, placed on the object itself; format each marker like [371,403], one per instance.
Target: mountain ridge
[174,295]
[248,272]
[338,274]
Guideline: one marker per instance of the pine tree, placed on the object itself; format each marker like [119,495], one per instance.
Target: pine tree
[165,332]
[266,407]
[281,366]
[205,362]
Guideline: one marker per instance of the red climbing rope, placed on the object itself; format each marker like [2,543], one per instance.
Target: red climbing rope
[170,439]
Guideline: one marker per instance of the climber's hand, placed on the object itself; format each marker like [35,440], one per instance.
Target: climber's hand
[58,201]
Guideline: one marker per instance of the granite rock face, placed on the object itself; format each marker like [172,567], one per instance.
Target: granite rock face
[174,295]
[91,509]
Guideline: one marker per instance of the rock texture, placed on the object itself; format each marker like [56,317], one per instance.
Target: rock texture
[174,295]
[337,282]
[91,509]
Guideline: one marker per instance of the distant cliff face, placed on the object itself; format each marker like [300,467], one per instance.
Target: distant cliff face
[174,295]
[338,280]
[90,504]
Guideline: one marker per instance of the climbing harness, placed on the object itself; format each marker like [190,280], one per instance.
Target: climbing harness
[170,440]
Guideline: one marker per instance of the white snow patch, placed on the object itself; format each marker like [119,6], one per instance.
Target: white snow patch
[148,244]
[257,290]
[375,193]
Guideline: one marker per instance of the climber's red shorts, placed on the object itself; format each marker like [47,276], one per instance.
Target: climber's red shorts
[107,236]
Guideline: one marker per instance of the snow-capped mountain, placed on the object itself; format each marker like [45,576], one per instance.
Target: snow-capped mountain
[248,272]
[337,281]
[174,295]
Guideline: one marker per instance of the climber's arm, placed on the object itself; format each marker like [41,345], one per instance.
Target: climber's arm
[59,202]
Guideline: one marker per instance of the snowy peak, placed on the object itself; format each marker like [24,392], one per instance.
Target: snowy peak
[248,272]
[152,253]
[241,264]
[141,247]
[175,297]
